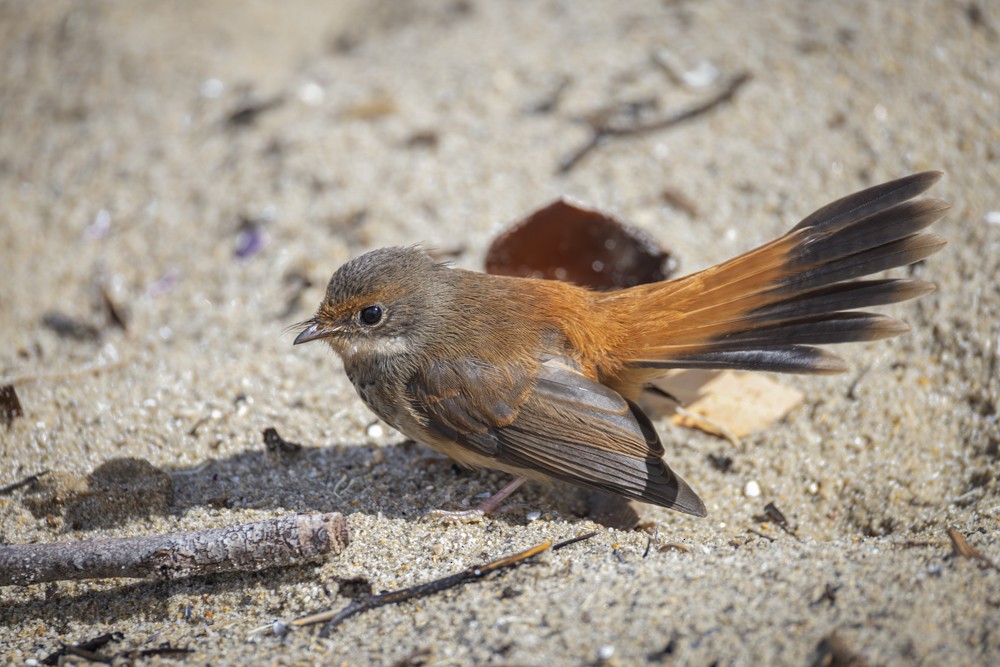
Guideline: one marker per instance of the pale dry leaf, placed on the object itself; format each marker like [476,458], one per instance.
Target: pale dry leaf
[730,403]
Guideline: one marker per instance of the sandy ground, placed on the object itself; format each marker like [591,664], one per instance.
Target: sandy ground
[124,166]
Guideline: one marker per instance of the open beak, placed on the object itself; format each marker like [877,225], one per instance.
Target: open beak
[315,331]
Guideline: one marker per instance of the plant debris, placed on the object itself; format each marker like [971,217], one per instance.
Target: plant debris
[247,113]
[730,404]
[568,242]
[962,548]
[10,406]
[88,646]
[278,445]
[67,327]
[88,650]
[772,513]
[30,479]
[115,314]
[280,542]
[603,130]
[549,102]
[680,201]
[332,618]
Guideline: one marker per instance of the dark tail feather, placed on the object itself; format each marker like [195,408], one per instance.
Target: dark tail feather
[764,309]
[876,198]
[842,296]
[788,359]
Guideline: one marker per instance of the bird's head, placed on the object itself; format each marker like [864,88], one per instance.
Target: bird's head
[378,304]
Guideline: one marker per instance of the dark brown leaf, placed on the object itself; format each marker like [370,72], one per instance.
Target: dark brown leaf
[565,241]
[10,406]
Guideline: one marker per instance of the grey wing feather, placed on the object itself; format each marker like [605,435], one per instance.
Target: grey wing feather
[576,430]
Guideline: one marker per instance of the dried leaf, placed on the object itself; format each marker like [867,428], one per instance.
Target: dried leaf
[565,241]
[10,406]
[738,402]
[962,547]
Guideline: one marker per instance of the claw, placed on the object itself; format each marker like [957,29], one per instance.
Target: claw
[489,506]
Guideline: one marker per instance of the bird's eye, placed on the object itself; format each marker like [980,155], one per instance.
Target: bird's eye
[370,315]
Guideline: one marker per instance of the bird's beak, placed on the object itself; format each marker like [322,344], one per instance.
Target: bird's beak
[314,331]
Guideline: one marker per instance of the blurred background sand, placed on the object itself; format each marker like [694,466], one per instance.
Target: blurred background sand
[206,166]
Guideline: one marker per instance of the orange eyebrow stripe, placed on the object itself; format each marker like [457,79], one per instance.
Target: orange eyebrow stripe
[384,294]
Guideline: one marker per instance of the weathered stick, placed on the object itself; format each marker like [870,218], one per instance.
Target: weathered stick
[254,546]
[603,132]
[334,618]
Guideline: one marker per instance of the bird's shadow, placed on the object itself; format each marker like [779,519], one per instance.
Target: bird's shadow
[403,480]
[395,481]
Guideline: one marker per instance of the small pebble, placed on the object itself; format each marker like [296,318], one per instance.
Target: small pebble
[606,652]
[311,93]
[533,515]
[212,88]
[375,431]
[702,75]
[752,489]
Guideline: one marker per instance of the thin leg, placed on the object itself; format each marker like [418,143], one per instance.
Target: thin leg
[485,508]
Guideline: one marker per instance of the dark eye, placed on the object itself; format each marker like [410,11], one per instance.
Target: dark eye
[371,315]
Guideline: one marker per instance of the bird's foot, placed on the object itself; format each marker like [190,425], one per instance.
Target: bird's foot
[491,505]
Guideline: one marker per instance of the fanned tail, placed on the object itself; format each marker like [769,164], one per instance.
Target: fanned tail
[766,309]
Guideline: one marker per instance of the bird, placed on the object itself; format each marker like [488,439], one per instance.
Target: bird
[542,378]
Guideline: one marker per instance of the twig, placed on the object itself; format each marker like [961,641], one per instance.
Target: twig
[89,656]
[574,540]
[89,646]
[603,132]
[679,200]
[88,651]
[966,550]
[654,538]
[852,391]
[67,375]
[334,618]
[10,488]
[254,546]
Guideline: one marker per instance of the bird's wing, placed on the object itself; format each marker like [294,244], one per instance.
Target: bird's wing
[551,420]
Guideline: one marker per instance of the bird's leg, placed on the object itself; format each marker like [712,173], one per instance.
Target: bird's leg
[485,508]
